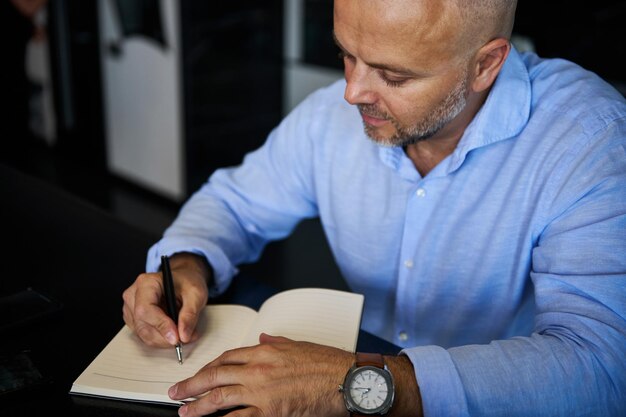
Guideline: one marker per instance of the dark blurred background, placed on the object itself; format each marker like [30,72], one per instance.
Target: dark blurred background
[131,104]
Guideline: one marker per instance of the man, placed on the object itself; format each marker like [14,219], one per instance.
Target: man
[483,220]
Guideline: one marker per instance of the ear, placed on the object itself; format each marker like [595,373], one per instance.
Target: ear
[489,61]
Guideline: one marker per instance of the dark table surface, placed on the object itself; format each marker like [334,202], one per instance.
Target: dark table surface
[83,257]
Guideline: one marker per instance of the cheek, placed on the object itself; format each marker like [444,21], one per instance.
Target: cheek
[411,104]
[403,110]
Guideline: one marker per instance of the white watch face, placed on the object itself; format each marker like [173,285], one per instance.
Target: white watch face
[369,389]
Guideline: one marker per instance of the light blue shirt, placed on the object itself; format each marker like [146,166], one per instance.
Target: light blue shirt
[502,272]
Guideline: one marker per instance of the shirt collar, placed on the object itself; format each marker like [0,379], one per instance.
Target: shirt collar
[506,110]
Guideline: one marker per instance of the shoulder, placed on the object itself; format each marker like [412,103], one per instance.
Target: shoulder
[563,89]
[577,129]
[576,118]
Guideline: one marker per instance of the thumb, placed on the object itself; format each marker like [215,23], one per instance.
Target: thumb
[192,307]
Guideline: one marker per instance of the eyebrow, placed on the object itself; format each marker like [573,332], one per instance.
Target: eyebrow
[385,67]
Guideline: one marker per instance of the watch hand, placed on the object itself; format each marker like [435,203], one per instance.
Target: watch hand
[365,392]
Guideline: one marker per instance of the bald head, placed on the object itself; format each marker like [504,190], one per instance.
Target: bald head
[475,22]
[458,26]
[484,20]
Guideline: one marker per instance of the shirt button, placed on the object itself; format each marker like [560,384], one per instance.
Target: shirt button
[420,192]
[408,263]
[403,336]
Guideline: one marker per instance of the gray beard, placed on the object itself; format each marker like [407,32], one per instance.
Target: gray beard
[440,116]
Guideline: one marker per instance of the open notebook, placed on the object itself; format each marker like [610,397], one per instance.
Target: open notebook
[126,369]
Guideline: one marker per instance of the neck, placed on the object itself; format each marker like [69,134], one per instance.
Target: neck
[427,154]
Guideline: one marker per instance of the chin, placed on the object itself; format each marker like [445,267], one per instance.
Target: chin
[380,138]
[387,142]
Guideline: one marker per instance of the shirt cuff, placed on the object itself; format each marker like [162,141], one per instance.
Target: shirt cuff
[439,383]
[223,269]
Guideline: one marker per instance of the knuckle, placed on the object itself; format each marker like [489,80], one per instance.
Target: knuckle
[228,355]
[261,370]
[267,349]
[145,277]
[210,374]
[194,409]
[216,396]
[145,334]
[141,310]
[127,295]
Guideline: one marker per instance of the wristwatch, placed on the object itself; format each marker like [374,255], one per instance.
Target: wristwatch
[368,387]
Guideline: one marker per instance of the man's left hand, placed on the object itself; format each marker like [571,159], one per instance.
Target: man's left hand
[277,377]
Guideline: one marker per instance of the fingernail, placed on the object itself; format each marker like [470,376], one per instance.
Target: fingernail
[172,391]
[171,337]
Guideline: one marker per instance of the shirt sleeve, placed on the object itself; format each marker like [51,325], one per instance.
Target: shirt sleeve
[232,217]
[574,361]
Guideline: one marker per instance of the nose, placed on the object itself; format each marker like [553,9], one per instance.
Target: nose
[358,88]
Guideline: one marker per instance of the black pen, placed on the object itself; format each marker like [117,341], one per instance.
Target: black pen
[170,300]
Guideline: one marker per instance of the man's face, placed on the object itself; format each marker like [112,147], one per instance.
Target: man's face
[400,69]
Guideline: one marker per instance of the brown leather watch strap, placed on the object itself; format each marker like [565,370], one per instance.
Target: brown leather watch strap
[370,359]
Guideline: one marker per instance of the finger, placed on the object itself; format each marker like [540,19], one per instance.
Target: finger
[153,336]
[152,324]
[129,304]
[192,294]
[222,398]
[206,379]
[234,358]
[129,295]
[127,314]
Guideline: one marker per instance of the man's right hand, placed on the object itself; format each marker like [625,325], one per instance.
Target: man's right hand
[144,305]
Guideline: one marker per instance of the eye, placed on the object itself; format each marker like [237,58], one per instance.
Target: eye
[391,81]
